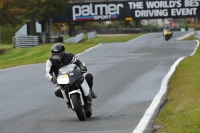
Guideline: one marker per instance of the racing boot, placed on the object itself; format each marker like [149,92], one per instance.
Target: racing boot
[58,93]
[92,92]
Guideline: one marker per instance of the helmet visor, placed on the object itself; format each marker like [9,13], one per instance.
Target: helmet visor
[57,56]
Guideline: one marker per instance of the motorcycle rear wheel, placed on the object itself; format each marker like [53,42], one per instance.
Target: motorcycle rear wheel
[78,108]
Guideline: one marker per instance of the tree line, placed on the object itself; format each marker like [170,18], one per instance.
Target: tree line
[15,12]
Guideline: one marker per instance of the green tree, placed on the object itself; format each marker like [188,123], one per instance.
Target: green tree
[9,14]
[41,10]
[32,10]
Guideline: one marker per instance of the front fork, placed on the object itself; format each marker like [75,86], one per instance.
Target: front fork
[69,95]
[86,93]
[80,96]
[64,95]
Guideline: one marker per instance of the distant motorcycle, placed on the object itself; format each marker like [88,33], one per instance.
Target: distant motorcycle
[75,89]
[167,34]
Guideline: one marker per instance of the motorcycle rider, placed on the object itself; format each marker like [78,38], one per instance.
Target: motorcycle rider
[168,29]
[60,58]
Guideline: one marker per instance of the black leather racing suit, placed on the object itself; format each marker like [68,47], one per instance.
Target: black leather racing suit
[52,67]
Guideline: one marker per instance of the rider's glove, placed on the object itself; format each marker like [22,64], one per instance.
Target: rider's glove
[83,69]
[54,80]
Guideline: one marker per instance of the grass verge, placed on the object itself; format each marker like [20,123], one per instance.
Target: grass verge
[181,113]
[39,54]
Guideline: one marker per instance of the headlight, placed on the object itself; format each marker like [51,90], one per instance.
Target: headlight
[63,79]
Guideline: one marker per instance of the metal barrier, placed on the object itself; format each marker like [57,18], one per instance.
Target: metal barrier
[92,34]
[197,34]
[25,41]
[75,39]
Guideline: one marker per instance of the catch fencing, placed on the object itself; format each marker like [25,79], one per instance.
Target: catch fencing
[75,39]
[25,41]
[197,34]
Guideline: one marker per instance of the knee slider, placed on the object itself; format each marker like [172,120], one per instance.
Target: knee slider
[58,93]
[89,77]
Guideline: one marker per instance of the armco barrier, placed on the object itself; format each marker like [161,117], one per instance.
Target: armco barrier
[92,34]
[75,39]
[25,41]
[197,34]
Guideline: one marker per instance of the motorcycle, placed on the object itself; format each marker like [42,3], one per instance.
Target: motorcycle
[167,34]
[75,90]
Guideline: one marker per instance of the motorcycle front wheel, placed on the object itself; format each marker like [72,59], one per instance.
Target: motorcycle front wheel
[166,38]
[78,108]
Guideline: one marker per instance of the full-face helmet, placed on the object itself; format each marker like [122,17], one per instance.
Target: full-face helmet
[57,51]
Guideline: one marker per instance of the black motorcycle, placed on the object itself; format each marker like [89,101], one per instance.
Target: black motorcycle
[75,90]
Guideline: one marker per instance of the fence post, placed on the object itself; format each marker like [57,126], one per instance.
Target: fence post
[13,41]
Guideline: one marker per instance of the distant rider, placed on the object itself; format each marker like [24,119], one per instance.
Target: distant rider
[168,29]
[60,58]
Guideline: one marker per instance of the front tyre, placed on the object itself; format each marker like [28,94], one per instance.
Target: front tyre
[78,108]
[166,38]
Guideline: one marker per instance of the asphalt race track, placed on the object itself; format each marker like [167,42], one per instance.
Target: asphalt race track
[127,77]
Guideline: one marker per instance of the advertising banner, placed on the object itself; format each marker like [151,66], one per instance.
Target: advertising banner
[130,10]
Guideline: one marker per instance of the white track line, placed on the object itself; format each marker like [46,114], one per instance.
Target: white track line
[157,99]
[187,35]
